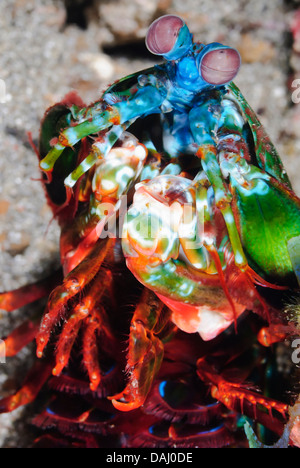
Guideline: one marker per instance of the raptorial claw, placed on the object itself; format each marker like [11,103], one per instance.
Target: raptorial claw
[145,352]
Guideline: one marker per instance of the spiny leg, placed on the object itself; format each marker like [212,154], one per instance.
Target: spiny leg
[67,338]
[145,351]
[94,326]
[235,396]
[74,282]
[80,312]
[90,350]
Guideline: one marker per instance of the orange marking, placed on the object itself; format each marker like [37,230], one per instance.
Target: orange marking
[115,119]
[63,140]
[204,149]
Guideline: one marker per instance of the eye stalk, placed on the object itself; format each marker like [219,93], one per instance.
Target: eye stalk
[169,36]
[220,65]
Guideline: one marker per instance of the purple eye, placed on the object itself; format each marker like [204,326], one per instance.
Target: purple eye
[162,34]
[220,66]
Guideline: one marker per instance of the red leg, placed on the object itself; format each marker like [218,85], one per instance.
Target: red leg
[20,297]
[238,397]
[95,325]
[90,350]
[73,284]
[20,337]
[81,311]
[67,339]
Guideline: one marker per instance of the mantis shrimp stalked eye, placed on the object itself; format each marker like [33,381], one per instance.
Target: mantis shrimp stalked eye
[180,236]
[220,66]
[170,37]
[163,34]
